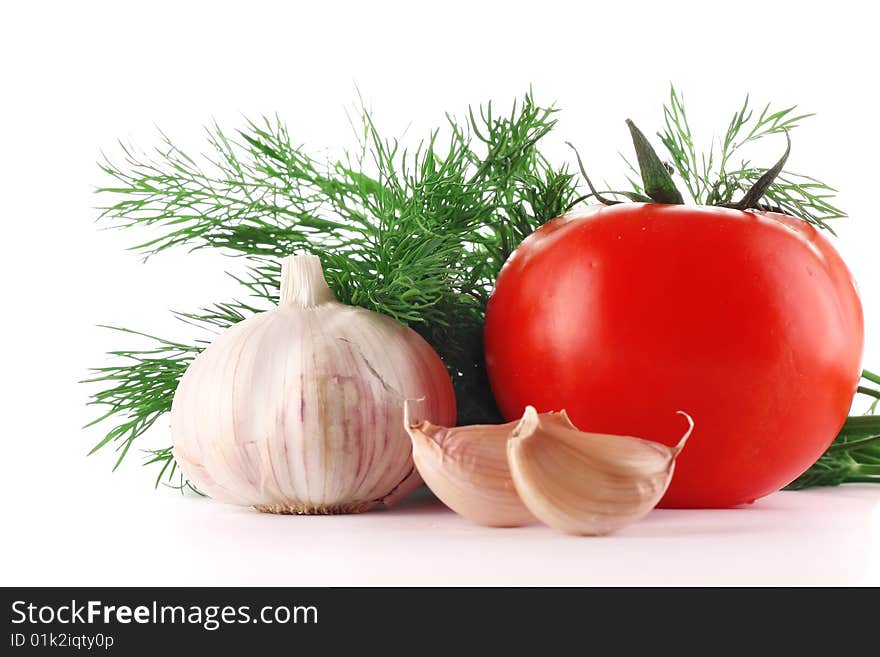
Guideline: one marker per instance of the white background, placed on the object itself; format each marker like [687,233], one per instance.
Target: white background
[75,77]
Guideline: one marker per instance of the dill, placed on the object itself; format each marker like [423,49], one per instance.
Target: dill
[717,176]
[854,456]
[138,390]
[417,234]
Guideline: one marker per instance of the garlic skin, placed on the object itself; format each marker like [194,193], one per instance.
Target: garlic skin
[587,483]
[300,409]
[466,468]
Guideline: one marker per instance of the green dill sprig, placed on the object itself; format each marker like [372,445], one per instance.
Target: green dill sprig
[719,175]
[419,235]
[854,456]
[138,390]
[170,473]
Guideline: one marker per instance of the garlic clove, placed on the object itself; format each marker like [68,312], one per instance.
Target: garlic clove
[587,483]
[466,467]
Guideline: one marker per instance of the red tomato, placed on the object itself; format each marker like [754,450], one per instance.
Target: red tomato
[623,315]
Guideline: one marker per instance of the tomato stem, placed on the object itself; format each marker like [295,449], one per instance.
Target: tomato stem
[656,178]
[751,197]
[632,196]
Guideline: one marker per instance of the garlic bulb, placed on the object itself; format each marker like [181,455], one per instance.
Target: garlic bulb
[587,483]
[300,409]
[466,467]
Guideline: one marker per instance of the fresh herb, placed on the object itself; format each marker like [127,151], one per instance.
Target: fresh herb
[138,390]
[718,176]
[854,456]
[169,472]
[711,178]
[419,235]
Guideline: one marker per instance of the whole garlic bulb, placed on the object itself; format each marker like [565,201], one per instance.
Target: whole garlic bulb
[300,409]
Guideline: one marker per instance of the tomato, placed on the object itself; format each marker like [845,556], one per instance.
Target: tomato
[623,315]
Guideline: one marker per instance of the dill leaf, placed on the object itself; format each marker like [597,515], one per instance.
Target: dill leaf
[138,389]
[419,235]
[854,456]
[715,176]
